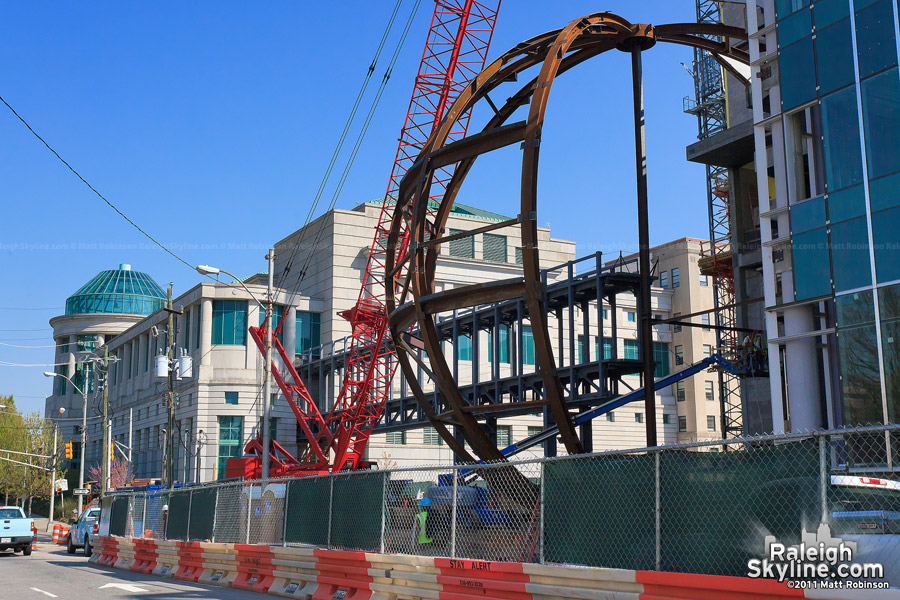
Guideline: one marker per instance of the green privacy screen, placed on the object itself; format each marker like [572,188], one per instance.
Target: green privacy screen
[177,519]
[354,497]
[307,511]
[600,511]
[118,517]
[715,509]
[203,511]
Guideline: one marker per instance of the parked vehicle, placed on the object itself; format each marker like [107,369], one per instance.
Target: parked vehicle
[82,530]
[16,530]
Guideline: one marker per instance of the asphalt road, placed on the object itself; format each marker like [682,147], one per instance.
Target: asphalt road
[52,573]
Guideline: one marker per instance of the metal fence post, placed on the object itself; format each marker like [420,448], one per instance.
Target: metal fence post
[543,486]
[249,511]
[384,497]
[284,513]
[144,514]
[330,508]
[187,529]
[212,534]
[658,512]
[453,515]
[823,479]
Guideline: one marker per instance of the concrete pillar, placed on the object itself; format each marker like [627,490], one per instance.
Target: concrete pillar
[290,331]
[206,313]
[802,371]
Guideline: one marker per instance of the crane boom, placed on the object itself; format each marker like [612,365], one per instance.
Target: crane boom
[458,40]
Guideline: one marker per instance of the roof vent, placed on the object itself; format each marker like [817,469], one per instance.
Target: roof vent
[124,267]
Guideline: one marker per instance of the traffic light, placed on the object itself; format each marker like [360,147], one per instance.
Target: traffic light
[69,453]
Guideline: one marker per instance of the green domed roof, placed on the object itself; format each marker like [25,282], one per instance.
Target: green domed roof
[120,291]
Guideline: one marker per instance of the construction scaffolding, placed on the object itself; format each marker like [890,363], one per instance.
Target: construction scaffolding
[710,109]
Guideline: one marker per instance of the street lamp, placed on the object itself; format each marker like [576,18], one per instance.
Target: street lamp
[267,392]
[83,433]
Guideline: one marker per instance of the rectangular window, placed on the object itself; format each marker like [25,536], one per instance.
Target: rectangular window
[308,328]
[679,391]
[666,418]
[462,248]
[707,350]
[611,417]
[395,438]
[875,38]
[812,265]
[273,428]
[60,384]
[711,423]
[464,347]
[605,314]
[527,345]
[881,116]
[843,157]
[679,355]
[834,55]
[676,278]
[630,315]
[197,317]
[187,328]
[664,279]
[581,351]
[231,397]
[504,435]
[504,343]
[494,248]
[519,259]
[676,327]
[607,348]
[860,390]
[638,417]
[231,434]
[704,280]
[534,430]
[631,350]
[661,358]
[710,394]
[229,326]
[705,320]
[682,423]
[430,437]
[850,254]
[798,79]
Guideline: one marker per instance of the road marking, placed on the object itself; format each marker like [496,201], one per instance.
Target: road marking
[45,593]
[125,587]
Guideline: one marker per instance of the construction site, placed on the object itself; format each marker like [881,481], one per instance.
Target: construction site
[757,381]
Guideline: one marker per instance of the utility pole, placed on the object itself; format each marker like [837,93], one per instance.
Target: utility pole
[105,464]
[53,462]
[83,443]
[169,451]
[267,393]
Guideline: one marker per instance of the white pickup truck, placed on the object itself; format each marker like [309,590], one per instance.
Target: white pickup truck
[16,530]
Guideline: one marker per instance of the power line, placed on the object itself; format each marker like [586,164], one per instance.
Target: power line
[99,195]
[32,347]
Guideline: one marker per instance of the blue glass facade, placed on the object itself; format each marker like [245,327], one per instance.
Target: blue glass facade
[120,291]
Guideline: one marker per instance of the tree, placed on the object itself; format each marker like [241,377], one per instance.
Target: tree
[24,433]
[119,475]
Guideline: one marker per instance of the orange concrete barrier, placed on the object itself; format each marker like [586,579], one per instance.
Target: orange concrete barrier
[343,574]
[689,586]
[144,556]
[255,568]
[109,552]
[463,579]
[190,561]
[166,558]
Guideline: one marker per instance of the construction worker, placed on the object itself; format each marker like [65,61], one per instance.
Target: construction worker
[421,533]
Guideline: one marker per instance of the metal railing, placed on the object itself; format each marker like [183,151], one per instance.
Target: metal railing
[687,507]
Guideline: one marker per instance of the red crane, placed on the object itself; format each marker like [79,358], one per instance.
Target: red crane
[455,51]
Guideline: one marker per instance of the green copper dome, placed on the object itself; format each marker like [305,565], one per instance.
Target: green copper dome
[120,291]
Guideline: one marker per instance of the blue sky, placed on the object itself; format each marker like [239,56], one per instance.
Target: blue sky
[211,123]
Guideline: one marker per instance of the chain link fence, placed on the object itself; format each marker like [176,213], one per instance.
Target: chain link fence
[706,507]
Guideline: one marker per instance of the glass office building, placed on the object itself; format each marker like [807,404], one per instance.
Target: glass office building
[825,91]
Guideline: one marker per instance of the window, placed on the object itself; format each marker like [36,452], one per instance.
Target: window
[494,248]
[676,327]
[519,259]
[581,351]
[86,342]
[666,418]
[231,397]
[464,347]
[605,314]
[676,279]
[785,7]
[661,358]
[59,383]
[875,38]
[679,391]
[707,350]
[834,55]
[704,319]
[504,343]
[462,248]
[860,389]
[197,327]
[638,417]
[881,116]
[534,430]
[827,12]
[308,329]
[527,345]
[631,350]
[273,428]
[794,27]
[679,355]
[850,254]
[631,316]
[664,279]
[711,423]
[607,348]
[187,329]
[682,423]
[395,438]
[611,417]
[812,265]
[504,435]
[710,394]
[886,232]
[229,326]
[277,315]
[704,280]
[430,437]
[798,80]
[231,434]
[843,157]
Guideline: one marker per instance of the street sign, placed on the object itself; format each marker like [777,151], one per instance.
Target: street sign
[81,492]
[61,485]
